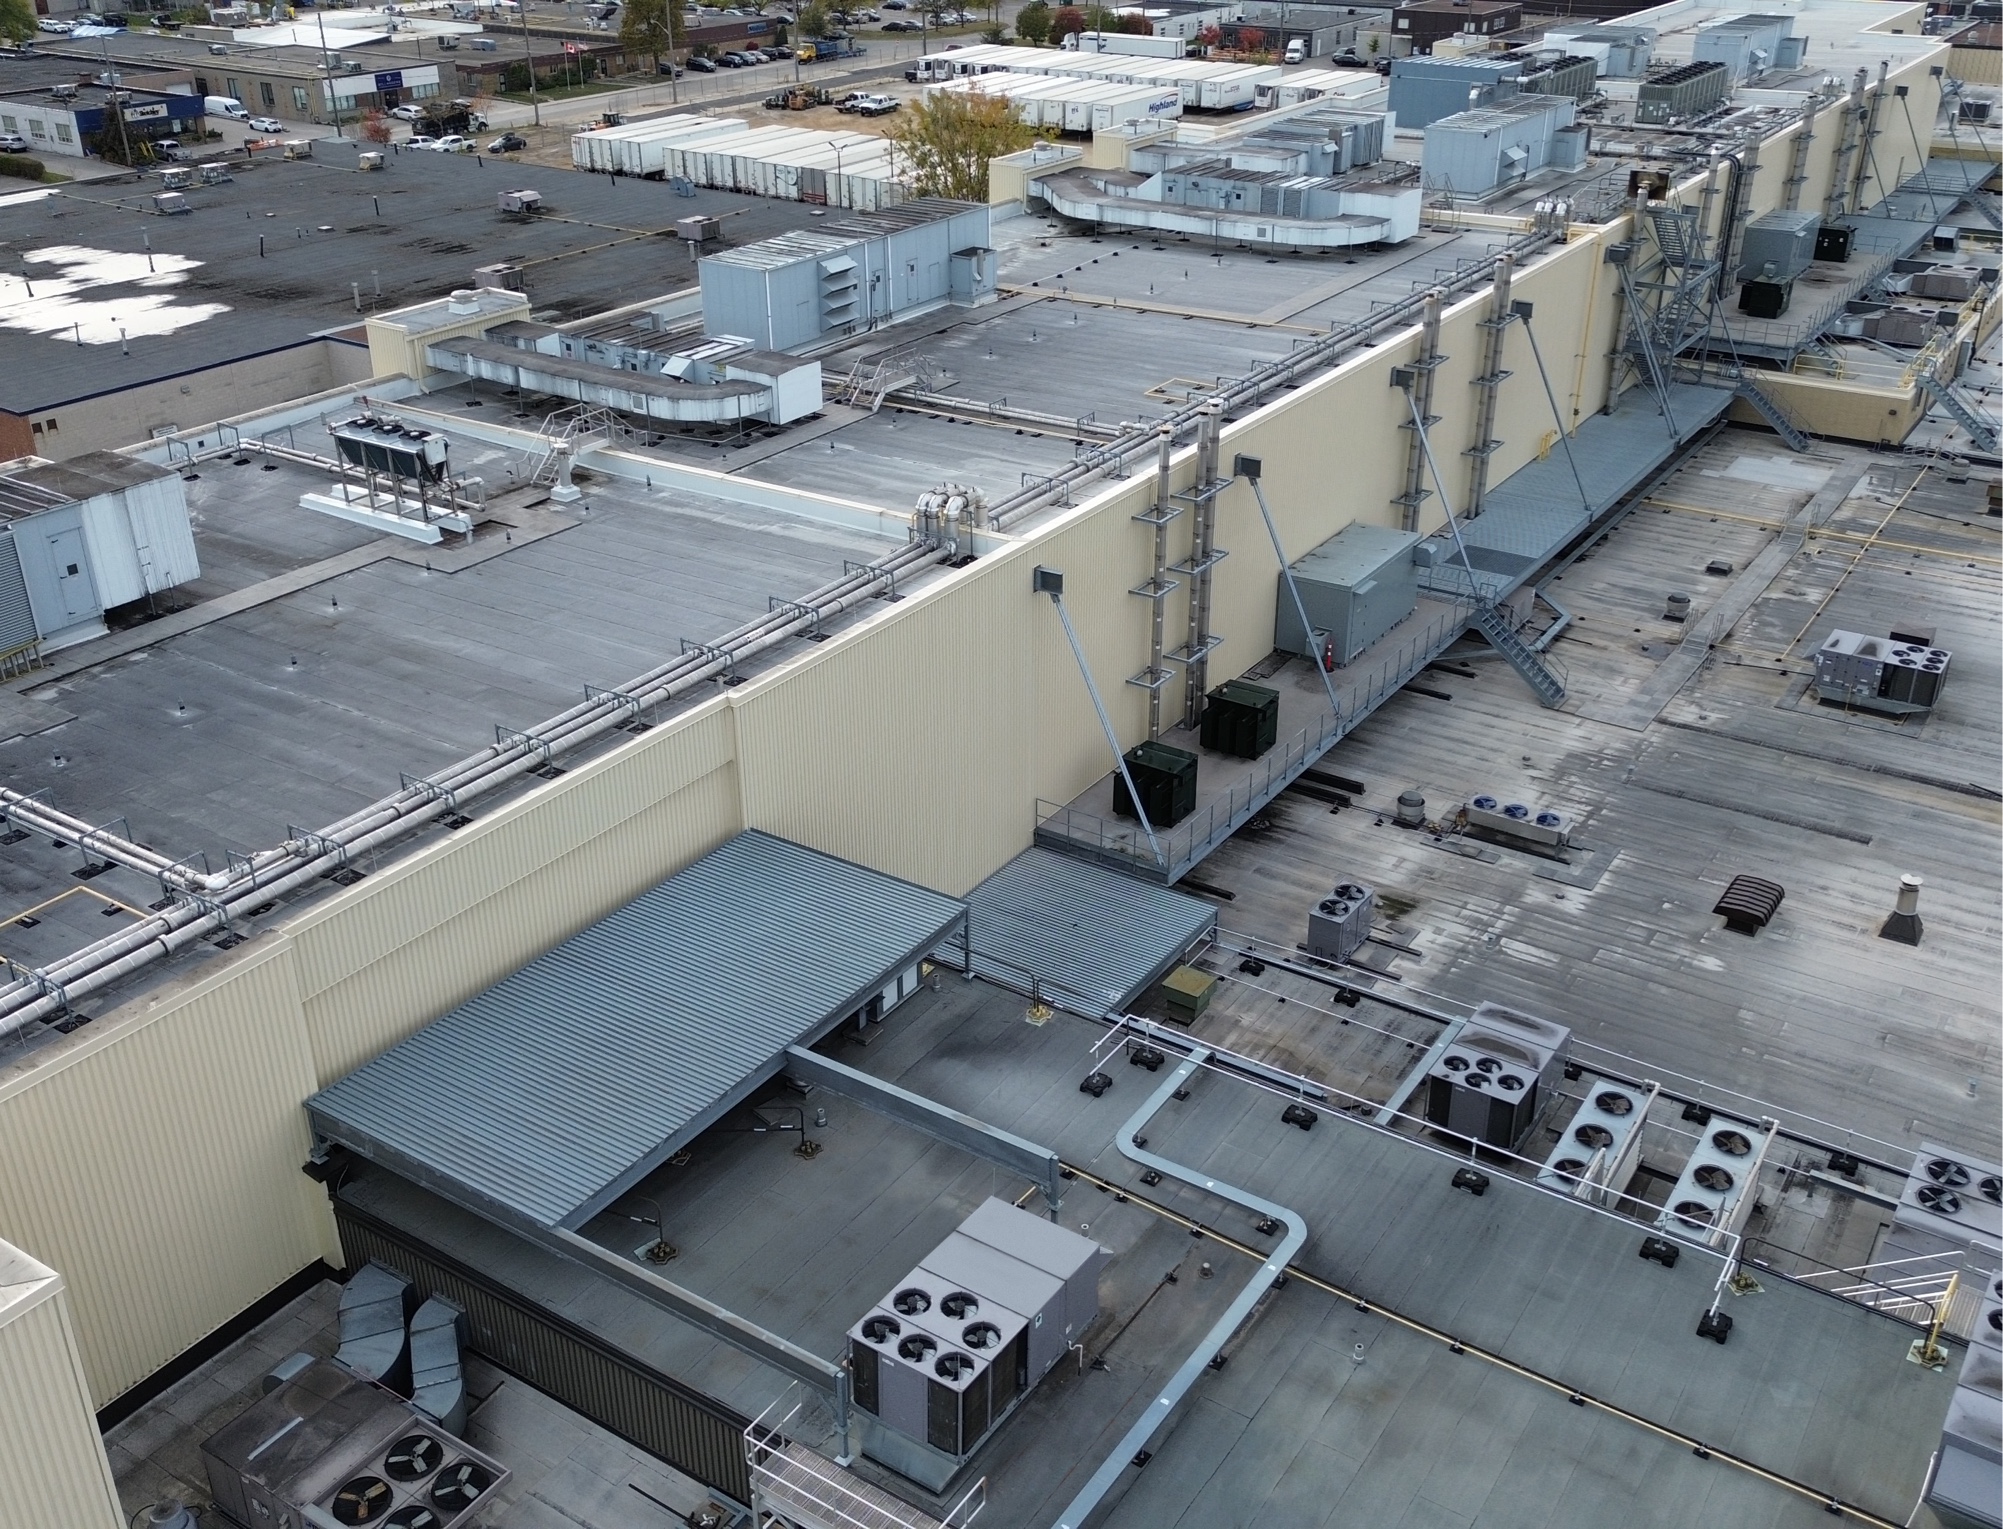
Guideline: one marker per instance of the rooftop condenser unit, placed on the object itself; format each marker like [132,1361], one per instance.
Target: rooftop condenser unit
[1339,924]
[1488,1083]
[951,1350]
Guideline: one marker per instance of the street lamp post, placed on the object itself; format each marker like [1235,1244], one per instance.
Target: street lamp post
[327,63]
[528,47]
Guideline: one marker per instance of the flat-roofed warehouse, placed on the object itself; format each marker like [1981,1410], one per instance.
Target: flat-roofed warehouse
[684,836]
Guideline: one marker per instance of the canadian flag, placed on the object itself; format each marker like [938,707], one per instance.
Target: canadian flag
[571,47]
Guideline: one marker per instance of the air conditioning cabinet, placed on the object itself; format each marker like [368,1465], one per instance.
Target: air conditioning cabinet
[1539,825]
[1988,1329]
[1487,1086]
[328,1448]
[1913,675]
[1600,1141]
[1339,924]
[1957,1199]
[1715,1190]
[1967,1481]
[948,1353]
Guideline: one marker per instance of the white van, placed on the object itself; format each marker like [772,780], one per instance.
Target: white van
[225,106]
[1297,52]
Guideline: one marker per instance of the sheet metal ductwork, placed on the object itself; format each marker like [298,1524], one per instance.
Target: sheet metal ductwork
[1372,213]
[734,381]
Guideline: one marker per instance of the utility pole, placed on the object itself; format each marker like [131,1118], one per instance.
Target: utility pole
[528,48]
[327,63]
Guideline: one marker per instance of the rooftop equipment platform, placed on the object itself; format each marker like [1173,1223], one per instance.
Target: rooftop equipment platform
[548,1095]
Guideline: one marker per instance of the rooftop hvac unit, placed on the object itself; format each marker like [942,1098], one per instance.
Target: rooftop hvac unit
[504,276]
[1988,1329]
[699,230]
[1880,673]
[1339,924]
[1487,1086]
[298,148]
[327,1448]
[1515,820]
[1164,777]
[1599,1142]
[944,1356]
[369,159]
[1715,1189]
[1955,1201]
[381,445]
[180,178]
[519,203]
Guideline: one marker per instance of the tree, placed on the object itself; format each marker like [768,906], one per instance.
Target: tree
[1134,24]
[1251,40]
[1033,22]
[375,127]
[815,19]
[946,141]
[1066,23]
[652,27]
[995,35]
[17,20]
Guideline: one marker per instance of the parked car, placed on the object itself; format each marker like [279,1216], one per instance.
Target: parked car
[452,143]
[875,106]
[420,141]
[13,143]
[407,112]
[266,125]
[852,100]
[903,26]
[508,143]
[729,61]
[896,5]
[702,65]
[163,148]
[51,24]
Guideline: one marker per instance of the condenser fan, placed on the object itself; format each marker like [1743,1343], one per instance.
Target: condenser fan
[952,1366]
[1947,1172]
[1456,1064]
[1488,1064]
[365,1500]
[1713,1178]
[911,1302]
[1569,1167]
[1509,1083]
[459,1485]
[413,1457]
[1593,1137]
[416,1516]
[1945,1201]
[1611,1103]
[981,1335]
[959,1306]
[917,1347]
[1694,1211]
[1731,1143]
[1992,1189]
[881,1329]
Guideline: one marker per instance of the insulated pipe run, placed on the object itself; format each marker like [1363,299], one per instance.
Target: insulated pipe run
[1162,1408]
[98,966]
[39,817]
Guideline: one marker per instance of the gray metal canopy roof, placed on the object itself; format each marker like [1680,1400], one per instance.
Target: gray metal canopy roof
[554,1091]
[1092,938]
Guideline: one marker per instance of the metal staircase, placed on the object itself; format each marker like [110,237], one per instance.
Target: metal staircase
[1980,430]
[1772,412]
[1502,637]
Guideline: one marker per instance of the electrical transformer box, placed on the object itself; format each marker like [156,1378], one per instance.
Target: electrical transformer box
[1241,719]
[1164,777]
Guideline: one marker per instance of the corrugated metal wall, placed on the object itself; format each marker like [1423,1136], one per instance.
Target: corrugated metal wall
[696,1435]
[53,1470]
[154,1158]
[17,616]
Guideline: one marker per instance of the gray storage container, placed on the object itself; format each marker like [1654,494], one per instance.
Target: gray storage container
[1784,241]
[1356,586]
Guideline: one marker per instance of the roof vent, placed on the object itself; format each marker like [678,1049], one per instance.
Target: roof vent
[465,300]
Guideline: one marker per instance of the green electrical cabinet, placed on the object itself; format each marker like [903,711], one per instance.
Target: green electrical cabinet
[1241,719]
[1164,777]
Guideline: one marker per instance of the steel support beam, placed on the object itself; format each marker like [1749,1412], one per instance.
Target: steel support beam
[991,1144]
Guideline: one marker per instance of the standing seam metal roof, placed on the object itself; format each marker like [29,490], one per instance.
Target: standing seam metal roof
[557,1086]
[1093,938]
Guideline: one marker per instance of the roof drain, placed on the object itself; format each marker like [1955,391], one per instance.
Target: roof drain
[1162,1408]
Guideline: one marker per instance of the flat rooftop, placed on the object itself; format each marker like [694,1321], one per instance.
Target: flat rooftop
[317,661]
[273,257]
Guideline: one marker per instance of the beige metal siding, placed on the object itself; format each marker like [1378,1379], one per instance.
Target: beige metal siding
[156,1155]
[53,1469]
[405,945]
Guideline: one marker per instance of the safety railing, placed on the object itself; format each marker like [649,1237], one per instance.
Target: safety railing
[809,1488]
[1063,826]
[1907,1297]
